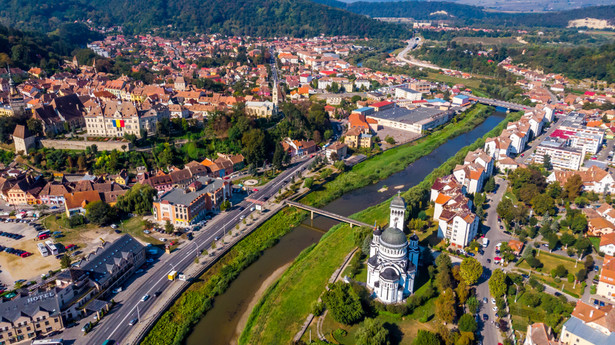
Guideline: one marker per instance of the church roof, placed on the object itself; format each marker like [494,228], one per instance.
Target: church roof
[393,236]
[377,232]
[398,201]
[389,274]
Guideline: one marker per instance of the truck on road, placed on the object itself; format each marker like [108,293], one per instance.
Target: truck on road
[485,242]
[172,275]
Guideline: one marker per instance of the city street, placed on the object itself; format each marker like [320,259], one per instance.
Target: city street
[531,147]
[491,228]
[115,325]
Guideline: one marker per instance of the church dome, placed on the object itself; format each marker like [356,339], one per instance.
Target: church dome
[398,201]
[393,237]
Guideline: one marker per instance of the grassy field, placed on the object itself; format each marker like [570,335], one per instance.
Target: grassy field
[471,83]
[595,243]
[391,161]
[134,227]
[550,261]
[283,308]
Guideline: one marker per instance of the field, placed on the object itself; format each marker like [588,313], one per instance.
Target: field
[488,41]
[472,83]
[550,261]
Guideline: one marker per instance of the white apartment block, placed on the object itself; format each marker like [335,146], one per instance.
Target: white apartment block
[562,157]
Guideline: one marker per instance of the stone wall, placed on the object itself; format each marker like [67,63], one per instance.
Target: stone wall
[81,145]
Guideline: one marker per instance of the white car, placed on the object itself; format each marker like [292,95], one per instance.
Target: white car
[132,322]
[495,309]
[493,300]
[145,298]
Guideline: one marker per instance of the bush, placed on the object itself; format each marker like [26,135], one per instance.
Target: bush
[318,308]
[343,303]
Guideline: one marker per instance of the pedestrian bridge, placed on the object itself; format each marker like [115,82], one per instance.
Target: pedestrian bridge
[501,104]
[331,215]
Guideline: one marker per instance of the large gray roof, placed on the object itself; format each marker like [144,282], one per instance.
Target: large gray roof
[179,196]
[99,265]
[393,236]
[30,305]
[593,336]
[389,274]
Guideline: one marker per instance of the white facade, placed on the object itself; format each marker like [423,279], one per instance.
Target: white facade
[392,266]
[459,230]
[561,158]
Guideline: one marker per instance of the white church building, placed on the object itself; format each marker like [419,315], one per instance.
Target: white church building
[393,260]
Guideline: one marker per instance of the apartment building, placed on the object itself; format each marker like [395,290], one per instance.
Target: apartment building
[589,326]
[452,211]
[606,282]
[607,244]
[185,206]
[594,179]
[562,156]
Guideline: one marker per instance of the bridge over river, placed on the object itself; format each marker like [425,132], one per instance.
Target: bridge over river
[327,214]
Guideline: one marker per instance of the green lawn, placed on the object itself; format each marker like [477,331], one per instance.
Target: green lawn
[472,83]
[550,261]
[134,227]
[596,243]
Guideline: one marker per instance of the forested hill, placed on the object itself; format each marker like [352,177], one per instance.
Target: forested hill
[469,15]
[235,17]
[27,49]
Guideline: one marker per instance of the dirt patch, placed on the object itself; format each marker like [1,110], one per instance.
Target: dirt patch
[244,318]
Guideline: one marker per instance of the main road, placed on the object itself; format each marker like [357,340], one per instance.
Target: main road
[490,334]
[413,43]
[115,325]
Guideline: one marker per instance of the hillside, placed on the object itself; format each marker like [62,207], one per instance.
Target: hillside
[234,17]
[27,49]
[470,15]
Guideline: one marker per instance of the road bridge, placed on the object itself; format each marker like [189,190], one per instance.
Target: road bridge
[327,214]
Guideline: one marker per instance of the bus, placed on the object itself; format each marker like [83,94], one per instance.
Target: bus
[48,342]
[43,249]
[52,247]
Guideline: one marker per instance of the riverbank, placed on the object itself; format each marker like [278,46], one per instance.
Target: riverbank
[192,305]
[175,324]
[385,164]
[243,320]
[282,310]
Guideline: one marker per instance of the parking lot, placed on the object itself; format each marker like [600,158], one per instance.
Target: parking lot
[15,267]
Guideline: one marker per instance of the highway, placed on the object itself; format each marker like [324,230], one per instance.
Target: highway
[413,43]
[115,325]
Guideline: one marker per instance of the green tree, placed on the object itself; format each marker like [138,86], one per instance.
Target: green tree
[559,271]
[467,323]
[254,146]
[99,212]
[471,270]
[65,261]
[543,204]
[344,303]
[372,332]
[168,227]
[35,126]
[497,283]
[473,304]
[573,187]
[546,162]
[424,337]
[489,185]
[445,306]
[308,182]
[278,156]
[139,199]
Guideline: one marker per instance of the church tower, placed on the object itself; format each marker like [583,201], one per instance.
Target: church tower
[398,213]
[413,250]
[16,101]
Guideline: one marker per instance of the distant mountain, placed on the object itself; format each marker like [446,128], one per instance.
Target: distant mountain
[235,17]
[466,14]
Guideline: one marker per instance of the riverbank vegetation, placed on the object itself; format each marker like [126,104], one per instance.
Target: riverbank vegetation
[175,324]
[283,308]
[391,161]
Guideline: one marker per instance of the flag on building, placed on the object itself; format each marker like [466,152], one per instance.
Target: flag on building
[118,123]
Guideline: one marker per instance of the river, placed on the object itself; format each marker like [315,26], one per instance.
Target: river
[219,325]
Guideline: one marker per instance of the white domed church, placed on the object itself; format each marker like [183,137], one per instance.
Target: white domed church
[393,260]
